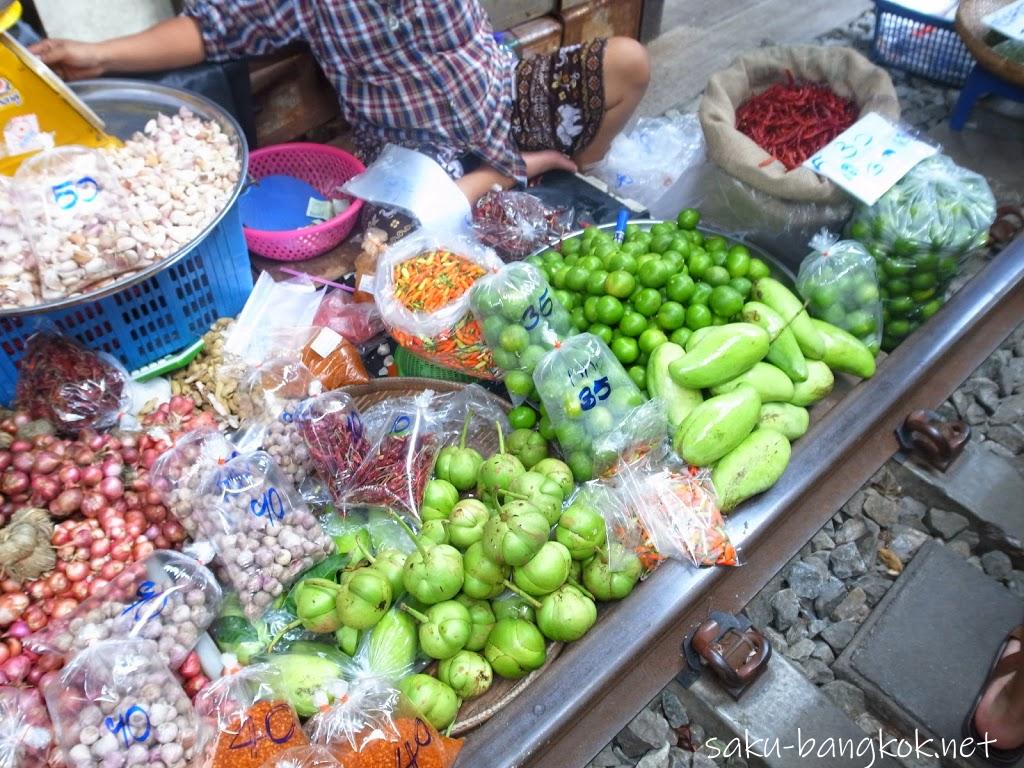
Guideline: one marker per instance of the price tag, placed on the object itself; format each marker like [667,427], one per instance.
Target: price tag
[1008,20]
[70,194]
[132,726]
[270,505]
[869,157]
[589,397]
[532,315]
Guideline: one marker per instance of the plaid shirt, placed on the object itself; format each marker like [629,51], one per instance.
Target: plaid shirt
[425,74]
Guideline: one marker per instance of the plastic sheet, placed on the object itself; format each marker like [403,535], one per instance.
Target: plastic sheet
[263,533]
[167,597]
[839,279]
[356,321]
[243,720]
[303,757]
[71,387]
[271,308]
[521,320]
[116,703]
[422,288]
[26,737]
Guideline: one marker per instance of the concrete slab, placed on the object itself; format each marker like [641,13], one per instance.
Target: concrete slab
[924,652]
[981,484]
[782,721]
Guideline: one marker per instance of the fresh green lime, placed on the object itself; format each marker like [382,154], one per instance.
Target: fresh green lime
[590,263]
[576,279]
[595,285]
[929,309]
[824,296]
[579,318]
[652,338]
[653,274]
[661,243]
[701,294]
[672,315]
[716,276]
[647,302]
[726,301]
[758,269]
[742,285]
[663,228]
[566,299]
[619,283]
[632,324]
[532,356]
[680,288]
[609,310]
[716,243]
[698,316]
[680,336]
[923,281]
[688,218]
[866,294]
[590,309]
[622,261]
[698,263]
[519,383]
[861,323]
[522,417]
[737,261]
[514,338]
[602,331]
[545,429]
[625,349]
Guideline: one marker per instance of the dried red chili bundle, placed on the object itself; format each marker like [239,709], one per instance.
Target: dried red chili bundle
[791,121]
[69,386]
[335,436]
[518,223]
[396,472]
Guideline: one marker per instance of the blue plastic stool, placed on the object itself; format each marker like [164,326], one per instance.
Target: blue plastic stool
[980,83]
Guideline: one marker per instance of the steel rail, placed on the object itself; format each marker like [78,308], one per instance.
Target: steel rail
[598,683]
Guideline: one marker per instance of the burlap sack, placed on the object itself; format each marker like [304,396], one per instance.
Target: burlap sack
[848,73]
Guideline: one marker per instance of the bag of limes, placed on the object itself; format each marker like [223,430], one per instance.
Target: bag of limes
[521,320]
[839,280]
[586,393]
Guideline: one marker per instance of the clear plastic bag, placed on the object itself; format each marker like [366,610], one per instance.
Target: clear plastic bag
[262,531]
[644,164]
[244,720]
[521,320]
[26,736]
[356,321]
[303,757]
[167,597]
[839,280]
[180,473]
[270,398]
[77,219]
[334,360]
[406,435]
[272,307]
[629,548]
[117,704]
[19,281]
[587,394]
[516,224]
[919,233]
[335,438]
[422,288]
[71,387]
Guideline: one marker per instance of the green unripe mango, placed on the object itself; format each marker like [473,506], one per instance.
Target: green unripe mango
[784,351]
[721,355]
[754,466]
[771,384]
[679,401]
[791,420]
[819,383]
[844,351]
[718,425]
[777,296]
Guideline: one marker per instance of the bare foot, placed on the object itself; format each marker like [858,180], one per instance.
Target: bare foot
[547,160]
[999,716]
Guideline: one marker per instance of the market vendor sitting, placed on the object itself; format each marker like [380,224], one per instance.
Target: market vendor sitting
[426,75]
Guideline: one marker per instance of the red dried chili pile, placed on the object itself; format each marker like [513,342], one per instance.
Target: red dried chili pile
[791,121]
[337,445]
[396,471]
[68,385]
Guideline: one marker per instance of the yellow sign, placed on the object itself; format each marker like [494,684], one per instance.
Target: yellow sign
[37,110]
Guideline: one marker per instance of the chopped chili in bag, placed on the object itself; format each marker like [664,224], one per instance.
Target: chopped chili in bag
[334,360]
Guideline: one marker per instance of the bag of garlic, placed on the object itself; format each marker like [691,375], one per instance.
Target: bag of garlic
[19,281]
[76,216]
[261,529]
[116,703]
[167,597]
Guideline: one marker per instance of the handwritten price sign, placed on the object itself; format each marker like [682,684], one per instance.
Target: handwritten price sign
[869,157]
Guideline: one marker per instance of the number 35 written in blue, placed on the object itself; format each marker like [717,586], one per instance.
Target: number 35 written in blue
[532,315]
[270,506]
[601,390]
[68,194]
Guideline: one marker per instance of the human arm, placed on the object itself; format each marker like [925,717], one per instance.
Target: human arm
[478,183]
[173,43]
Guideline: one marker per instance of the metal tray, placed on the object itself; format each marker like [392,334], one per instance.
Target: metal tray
[126,106]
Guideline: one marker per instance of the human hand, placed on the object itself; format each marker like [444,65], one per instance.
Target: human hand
[546,160]
[70,59]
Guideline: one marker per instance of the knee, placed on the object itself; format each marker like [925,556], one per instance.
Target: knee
[626,62]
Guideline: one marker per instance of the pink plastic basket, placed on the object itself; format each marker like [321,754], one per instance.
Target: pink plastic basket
[325,168]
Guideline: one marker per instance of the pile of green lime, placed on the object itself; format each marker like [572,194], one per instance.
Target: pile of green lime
[655,286]
[521,320]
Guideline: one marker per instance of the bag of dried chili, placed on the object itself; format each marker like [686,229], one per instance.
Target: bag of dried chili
[71,387]
[244,721]
[406,436]
[333,431]
[516,224]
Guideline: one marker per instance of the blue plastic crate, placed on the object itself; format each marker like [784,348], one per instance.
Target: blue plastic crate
[921,44]
[157,317]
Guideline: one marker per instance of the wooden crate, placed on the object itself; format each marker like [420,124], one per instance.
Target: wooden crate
[539,36]
[589,20]
[508,13]
[291,96]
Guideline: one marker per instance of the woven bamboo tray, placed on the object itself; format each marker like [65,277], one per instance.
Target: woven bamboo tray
[976,36]
[482,436]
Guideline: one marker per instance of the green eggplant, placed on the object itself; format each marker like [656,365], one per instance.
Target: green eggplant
[434,701]
[515,648]
[482,617]
[581,529]
[467,673]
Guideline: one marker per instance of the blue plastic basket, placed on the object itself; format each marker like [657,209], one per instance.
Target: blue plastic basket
[920,44]
[156,317]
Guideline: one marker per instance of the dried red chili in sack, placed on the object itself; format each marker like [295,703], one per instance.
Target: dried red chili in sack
[244,721]
[791,121]
[335,438]
[68,385]
[402,456]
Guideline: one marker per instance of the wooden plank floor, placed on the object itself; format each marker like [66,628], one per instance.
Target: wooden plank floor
[702,36]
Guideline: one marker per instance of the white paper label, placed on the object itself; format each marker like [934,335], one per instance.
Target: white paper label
[325,342]
[365,284]
[869,157]
[1008,20]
